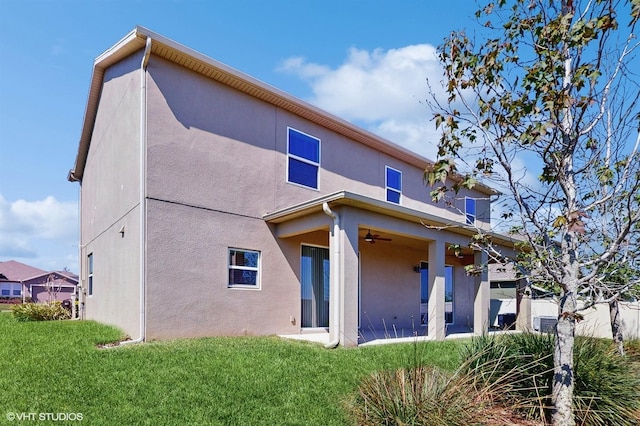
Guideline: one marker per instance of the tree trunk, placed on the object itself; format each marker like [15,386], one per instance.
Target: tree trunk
[563,380]
[616,329]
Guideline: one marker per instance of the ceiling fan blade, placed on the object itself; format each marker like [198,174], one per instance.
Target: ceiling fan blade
[371,238]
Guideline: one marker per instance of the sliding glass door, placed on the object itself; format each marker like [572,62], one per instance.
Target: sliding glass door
[424,293]
[314,280]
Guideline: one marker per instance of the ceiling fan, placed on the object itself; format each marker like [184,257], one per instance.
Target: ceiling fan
[371,238]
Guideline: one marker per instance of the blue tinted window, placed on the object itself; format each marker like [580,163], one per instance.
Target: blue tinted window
[303,173]
[304,146]
[393,181]
[393,196]
[304,159]
[470,210]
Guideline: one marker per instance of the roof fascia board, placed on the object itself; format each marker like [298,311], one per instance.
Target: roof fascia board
[136,39]
[118,51]
[367,203]
[384,145]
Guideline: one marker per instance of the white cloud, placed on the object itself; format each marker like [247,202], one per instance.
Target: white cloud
[385,91]
[381,90]
[42,233]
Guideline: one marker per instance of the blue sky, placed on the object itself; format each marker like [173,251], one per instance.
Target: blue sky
[366,61]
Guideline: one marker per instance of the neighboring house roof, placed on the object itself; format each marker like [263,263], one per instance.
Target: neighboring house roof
[68,275]
[58,277]
[14,271]
[199,63]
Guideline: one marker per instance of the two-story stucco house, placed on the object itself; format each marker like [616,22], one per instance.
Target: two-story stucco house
[215,204]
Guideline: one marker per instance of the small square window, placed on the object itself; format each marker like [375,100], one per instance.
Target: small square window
[393,184]
[470,210]
[303,158]
[244,268]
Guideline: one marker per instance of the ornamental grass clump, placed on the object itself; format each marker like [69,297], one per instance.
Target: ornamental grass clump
[412,396]
[47,311]
[607,386]
[425,395]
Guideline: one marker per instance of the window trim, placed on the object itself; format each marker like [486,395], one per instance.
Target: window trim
[470,218]
[90,274]
[304,160]
[258,269]
[389,188]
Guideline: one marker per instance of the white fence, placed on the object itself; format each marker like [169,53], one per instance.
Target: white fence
[596,321]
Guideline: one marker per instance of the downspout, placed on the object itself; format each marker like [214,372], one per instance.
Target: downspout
[71,177]
[143,190]
[78,300]
[334,289]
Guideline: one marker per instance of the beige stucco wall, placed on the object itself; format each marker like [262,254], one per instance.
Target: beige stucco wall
[187,275]
[390,289]
[215,164]
[201,132]
[110,200]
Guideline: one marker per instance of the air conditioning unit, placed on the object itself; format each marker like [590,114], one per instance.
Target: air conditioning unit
[545,324]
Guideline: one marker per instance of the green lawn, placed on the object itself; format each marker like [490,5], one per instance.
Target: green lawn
[56,367]
[6,307]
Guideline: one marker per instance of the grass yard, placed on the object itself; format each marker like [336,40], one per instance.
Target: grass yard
[6,307]
[56,367]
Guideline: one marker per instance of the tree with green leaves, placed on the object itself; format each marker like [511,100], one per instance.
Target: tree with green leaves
[543,104]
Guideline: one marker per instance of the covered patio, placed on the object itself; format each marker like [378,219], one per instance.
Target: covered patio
[391,273]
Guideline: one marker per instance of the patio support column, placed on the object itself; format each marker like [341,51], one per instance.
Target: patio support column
[523,308]
[482,296]
[436,321]
[349,279]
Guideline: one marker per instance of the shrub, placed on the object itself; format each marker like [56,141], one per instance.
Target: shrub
[607,386]
[421,395]
[412,396]
[40,311]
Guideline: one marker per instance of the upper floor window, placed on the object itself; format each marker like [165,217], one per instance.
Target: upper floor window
[244,268]
[393,184]
[90,274]
[303,158]
[470,210]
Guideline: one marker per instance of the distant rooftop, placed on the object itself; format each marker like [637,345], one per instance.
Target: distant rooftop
[14,271]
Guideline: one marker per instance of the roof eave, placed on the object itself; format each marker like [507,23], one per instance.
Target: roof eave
[361,201]
[229,76]
[127,45]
